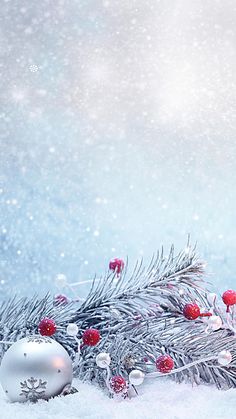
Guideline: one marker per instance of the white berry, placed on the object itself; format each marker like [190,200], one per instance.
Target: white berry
[136,377]
[224,357]
[72,329]
[103,360]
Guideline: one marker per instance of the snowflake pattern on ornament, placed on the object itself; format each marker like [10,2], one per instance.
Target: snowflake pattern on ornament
[39,339]
[33,389]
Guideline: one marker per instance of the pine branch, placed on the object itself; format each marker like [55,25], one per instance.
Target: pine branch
[139,318]
[145,286]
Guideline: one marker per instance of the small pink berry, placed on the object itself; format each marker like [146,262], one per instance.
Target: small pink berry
[61,299]
[117,265]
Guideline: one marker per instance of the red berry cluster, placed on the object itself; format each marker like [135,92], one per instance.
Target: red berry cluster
[164,364]
[118,384]
[47,327]
[91,337]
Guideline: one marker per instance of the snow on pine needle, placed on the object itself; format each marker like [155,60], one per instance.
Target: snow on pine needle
[139,317]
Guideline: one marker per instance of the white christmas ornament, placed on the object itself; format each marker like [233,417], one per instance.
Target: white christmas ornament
[72,329]
[103,360]
[136,377]
[214,322]
[35,367]
[224,357]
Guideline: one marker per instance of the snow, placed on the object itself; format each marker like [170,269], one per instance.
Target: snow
[162,399]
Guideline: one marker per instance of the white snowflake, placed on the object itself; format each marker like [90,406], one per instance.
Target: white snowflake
[33,389]
[33,68]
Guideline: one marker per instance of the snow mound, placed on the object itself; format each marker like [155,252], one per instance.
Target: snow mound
[158,399]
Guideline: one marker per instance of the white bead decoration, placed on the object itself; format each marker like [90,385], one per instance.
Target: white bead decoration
[224,357]
[136,377]
[72,329]
[103,360]
[214,322]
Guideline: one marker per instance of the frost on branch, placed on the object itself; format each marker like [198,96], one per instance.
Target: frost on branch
[139,318]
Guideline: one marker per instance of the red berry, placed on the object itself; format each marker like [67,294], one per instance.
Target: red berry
[164,363]
[91,337]
[47,327]
[118,384]
[116,265]
[229,298]
[191,311]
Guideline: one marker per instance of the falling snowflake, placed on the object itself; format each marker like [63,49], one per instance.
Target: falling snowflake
[31,390]
[39,339]
[33,68]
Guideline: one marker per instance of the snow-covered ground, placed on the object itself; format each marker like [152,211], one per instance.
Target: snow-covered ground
[159,399]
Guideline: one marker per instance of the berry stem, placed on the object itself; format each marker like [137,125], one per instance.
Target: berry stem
[159,374]
[205,314]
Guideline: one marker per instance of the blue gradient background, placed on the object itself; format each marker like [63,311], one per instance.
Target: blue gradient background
[117,136]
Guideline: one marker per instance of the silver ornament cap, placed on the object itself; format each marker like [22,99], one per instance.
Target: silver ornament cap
[35,367]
